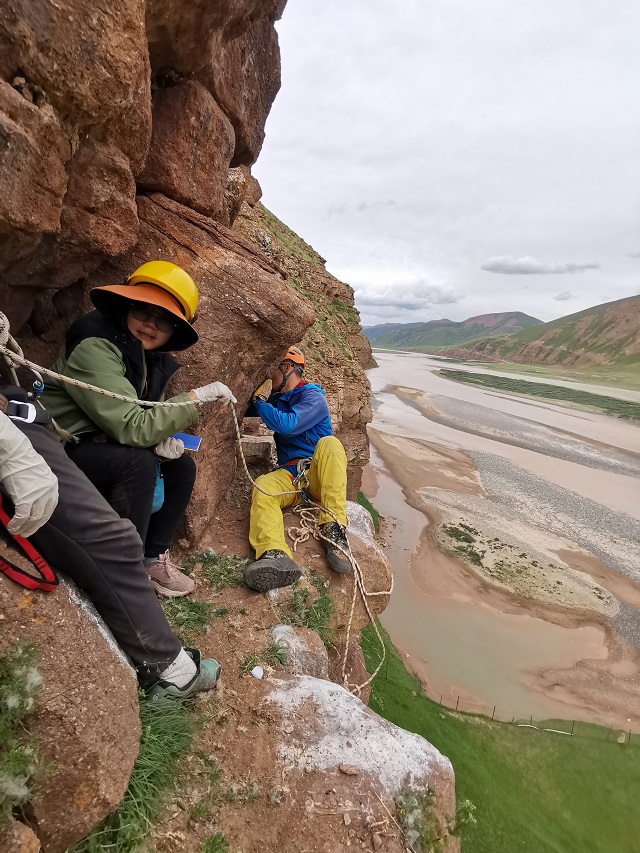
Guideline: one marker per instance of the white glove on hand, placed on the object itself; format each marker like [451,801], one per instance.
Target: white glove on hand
[30,483]
[170,448]
[214,391]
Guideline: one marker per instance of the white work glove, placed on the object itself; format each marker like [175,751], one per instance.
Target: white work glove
[214,391]
[30,483]
[170,448]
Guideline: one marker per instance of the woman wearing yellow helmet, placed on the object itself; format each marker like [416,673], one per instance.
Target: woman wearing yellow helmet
[126,449]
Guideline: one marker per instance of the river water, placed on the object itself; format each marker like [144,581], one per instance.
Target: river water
[555,479]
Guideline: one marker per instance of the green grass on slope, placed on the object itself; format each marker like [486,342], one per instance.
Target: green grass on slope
[167,735]
[533,791]
[608,405]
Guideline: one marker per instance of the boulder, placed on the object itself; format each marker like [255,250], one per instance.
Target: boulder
[18,838]
[245,78]
[305,651]
[376,571]
[88,61]
[98,219]
[341,745]
[86,720]
[191,147]
[33,179]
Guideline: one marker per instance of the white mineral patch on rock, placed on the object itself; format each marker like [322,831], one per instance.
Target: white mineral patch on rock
[360,524]
[325,716]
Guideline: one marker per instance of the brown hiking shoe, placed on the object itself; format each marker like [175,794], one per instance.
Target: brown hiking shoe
[167,579]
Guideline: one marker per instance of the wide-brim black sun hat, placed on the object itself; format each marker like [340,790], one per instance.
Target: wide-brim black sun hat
[113,299]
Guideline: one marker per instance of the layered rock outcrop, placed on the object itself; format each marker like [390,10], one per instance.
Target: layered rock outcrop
[88,700]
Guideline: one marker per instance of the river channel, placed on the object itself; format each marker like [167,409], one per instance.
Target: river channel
[558,484]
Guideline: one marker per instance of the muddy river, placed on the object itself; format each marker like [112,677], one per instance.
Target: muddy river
[556,488]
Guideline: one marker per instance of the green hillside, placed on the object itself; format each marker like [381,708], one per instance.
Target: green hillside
[604,334]
[437,334]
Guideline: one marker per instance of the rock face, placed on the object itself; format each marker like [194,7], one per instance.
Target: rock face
[88,699]
[304,650]
[343,747]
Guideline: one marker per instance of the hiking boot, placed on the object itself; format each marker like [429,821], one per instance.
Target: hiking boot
[270,571]
[335,534]
[206,678]
[167,579]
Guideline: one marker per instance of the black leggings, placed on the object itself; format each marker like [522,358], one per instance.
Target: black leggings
[126,477]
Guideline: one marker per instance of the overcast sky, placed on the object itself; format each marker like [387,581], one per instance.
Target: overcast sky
[453,157]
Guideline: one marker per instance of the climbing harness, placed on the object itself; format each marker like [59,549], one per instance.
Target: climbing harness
[14,357]
[47,580]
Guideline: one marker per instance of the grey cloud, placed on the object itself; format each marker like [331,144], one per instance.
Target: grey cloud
[336,210]
[563,297]
[404,296]
[360,207]
[633,254]
[508,265]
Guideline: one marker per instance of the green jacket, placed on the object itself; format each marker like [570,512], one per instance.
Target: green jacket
[100,362]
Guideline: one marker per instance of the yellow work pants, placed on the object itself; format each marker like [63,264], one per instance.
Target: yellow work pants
[327,481]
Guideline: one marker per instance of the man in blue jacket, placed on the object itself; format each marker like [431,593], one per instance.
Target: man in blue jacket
[298,414]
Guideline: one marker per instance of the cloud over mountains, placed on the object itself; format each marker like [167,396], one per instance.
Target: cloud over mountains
[382,299]
[508,265]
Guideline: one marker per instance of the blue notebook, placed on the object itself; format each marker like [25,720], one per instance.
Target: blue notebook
[191,442]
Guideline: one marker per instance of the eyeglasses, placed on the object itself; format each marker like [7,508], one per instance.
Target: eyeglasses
[146,315]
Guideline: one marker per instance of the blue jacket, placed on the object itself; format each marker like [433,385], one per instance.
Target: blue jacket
[299,418]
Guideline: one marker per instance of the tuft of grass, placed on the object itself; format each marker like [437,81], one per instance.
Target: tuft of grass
[219,570]
[534,790]
[458,533]
[304,613]
[167,736]
[215,844]
[188,617]
[366,503]
[418,819]
[19,685]
[273,654]
[248,663]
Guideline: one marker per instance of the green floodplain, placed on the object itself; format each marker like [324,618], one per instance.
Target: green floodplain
[560,394]
[623,374]
[533,790]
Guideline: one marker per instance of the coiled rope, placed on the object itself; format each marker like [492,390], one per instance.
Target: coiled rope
[14,357]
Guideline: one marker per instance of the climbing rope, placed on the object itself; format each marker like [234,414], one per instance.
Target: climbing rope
[14,357]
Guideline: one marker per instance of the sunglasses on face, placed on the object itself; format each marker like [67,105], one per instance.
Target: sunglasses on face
[147,315]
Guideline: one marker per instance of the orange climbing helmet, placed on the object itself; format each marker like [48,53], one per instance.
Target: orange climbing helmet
[295,355]
[160,283]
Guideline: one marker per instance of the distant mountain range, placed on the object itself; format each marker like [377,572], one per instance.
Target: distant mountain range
[604,334]
[438,334]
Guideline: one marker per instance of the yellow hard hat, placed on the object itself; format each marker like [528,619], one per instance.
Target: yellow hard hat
[173,279]
[158,283]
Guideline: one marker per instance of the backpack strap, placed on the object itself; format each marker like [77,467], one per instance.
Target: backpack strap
[47,581]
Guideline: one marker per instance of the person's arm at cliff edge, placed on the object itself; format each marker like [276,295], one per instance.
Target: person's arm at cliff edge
[27,479]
